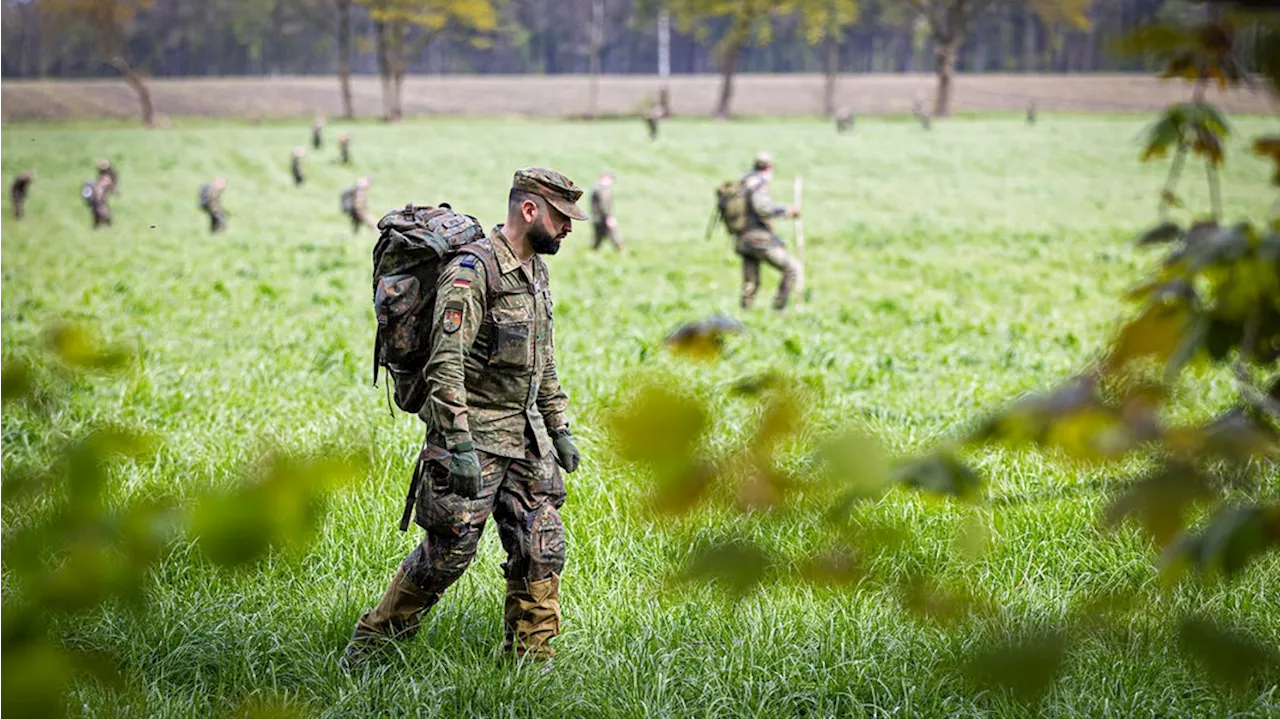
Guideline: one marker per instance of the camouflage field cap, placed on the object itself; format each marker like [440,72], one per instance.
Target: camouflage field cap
[552,186]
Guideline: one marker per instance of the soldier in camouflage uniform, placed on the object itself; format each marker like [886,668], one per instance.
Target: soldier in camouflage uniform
[496,429]
[317,132]
[98,192]
[844,120]
[296,165]
[344,147]
[603,223]
[18,192]
[757,243]
[217,216]
[107,172]
[359,212]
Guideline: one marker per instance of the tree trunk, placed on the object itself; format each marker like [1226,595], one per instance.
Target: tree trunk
[735,41]
[134,81]
[1028,40]
[945,51]
[381,36]
[833,61]
[344,57]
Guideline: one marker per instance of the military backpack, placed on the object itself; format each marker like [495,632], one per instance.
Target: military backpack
[733,205]
[205,196]
[89,192]
[414,245]
[349,200]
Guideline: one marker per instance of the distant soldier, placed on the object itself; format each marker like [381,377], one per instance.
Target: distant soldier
[355,203]
[95,194]
[756,241]
[844,120]
[211,203]
[602,219]
[296,165]
[18,192]
[651,119]
[922,117]
[105,169]
[344,147]
[1031,113]
[317,132]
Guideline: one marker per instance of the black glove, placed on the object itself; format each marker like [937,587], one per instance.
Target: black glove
[567,454]
[464,470]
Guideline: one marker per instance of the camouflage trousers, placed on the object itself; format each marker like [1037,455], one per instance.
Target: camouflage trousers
[524,497]
[604,232]
[360,219]
[217,221]
[756,246]
[101,214]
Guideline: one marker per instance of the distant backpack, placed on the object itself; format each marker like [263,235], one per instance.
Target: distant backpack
[413,246]
[349,200]
[205,197]
[88,192]
[733,205]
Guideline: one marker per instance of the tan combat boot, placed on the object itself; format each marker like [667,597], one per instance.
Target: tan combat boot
[532,617]
[395,617]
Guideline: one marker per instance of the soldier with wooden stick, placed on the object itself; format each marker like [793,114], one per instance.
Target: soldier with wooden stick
[756,242]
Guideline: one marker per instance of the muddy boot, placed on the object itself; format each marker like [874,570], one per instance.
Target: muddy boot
[531,617]
[395,617]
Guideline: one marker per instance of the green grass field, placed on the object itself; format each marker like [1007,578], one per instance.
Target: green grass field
[950,271]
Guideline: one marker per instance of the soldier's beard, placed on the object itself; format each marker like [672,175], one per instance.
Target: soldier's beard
[541,240]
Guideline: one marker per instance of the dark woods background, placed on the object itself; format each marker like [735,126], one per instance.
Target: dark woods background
[263,37]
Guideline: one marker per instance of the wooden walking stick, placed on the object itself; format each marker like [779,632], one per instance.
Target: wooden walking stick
[799,197]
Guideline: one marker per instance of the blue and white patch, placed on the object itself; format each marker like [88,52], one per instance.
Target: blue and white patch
[468,261]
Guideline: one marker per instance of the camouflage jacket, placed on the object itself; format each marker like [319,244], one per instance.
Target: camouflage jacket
[601,203]
[761,204]
[215,199]
[491,376]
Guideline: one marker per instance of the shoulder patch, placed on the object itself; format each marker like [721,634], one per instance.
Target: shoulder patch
[468,261]
[451,321]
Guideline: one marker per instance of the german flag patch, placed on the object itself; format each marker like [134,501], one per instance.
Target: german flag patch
[463,283]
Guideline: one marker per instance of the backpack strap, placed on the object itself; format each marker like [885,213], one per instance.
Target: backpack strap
[483,251]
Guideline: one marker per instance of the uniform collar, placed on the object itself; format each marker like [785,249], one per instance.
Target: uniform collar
[502,252]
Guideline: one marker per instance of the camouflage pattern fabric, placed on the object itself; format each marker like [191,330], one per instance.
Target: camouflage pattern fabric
[296,167]
[557,189]
[491,376]
[217,216]
[360,210]
[759,244]
[601,213]
[102,189]
[18,194]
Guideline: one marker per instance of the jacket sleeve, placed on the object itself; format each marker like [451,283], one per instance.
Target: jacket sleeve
[762,202]
[552,400]
[459,311]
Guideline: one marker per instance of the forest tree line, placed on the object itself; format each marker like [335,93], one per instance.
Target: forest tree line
[392,38]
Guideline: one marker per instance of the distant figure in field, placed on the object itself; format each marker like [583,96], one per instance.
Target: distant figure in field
[651,119]
[18,192]
[317,132]
[603,222]
[105,169]
[922,117]
[355,203]
[1031,113]
[95,194]
[211,203]
[344,147]
[748,212]
[296,165]
[844,120]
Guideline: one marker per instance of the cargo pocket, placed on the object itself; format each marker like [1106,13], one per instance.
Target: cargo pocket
[513,339]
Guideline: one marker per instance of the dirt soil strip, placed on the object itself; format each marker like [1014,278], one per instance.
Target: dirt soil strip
[567,95]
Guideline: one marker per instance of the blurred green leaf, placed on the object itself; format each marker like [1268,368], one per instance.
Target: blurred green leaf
[737,566]
[1164,232]
[681,491]
[77,346]
[927,599]
[1234,537]
[703,340]
[838,566]
[1025,666]
[1229,657]
[659,425]
[941,473]
[17,381]
[1160,502]
[855,463]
